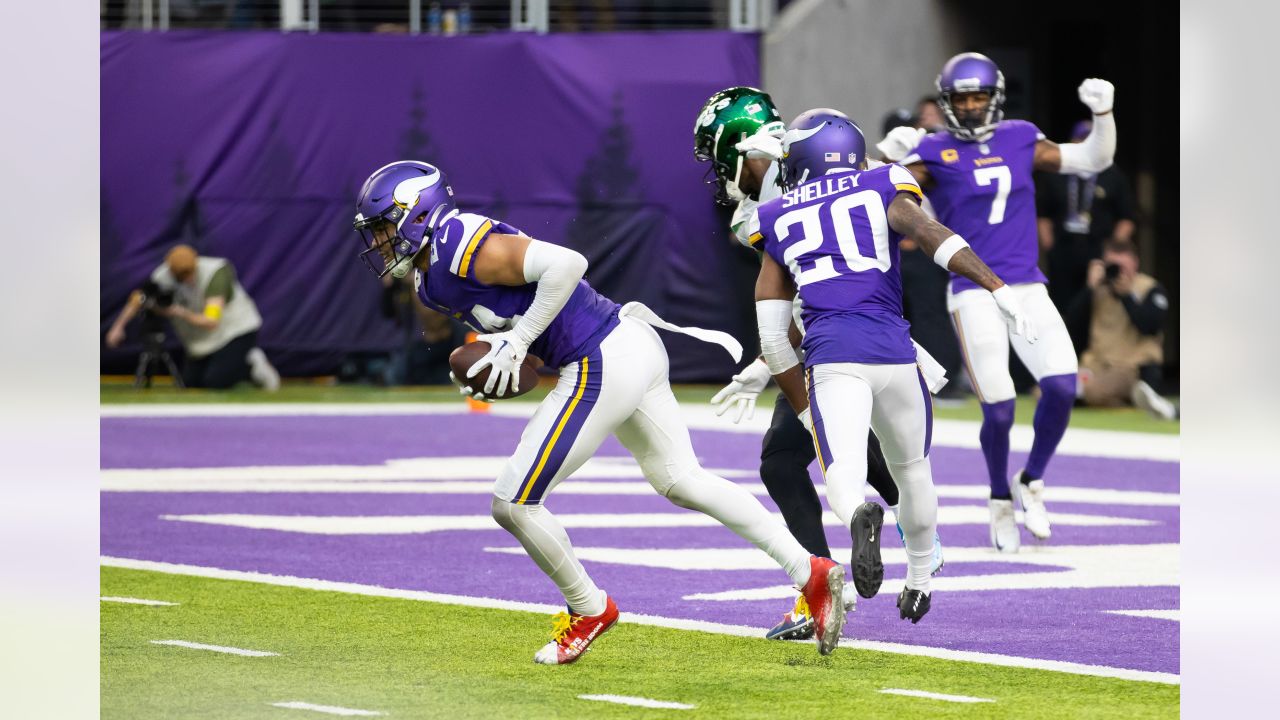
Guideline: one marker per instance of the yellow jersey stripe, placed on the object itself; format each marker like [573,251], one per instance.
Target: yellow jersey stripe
[755,238]
[555,436]
[471,247]
[905,187]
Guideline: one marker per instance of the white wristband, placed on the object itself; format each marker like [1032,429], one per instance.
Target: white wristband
[948,249]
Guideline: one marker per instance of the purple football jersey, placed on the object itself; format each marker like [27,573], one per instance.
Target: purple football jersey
[985,193]
[833,236]
[451,287]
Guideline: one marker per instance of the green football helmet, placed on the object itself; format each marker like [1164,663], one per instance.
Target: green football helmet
[726,119]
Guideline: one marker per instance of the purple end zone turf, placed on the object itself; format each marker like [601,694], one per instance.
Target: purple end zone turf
[1068,624]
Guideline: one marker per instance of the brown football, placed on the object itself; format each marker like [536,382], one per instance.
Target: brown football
[463,357]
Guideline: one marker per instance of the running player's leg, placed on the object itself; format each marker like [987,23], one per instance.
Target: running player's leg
[878,475]
[984,343]
[584,408]
[656,435]
[1052,361]
[902,415]
[785,456]
[840,397]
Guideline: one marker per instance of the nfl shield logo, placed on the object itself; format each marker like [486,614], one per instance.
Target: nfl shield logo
[831,157]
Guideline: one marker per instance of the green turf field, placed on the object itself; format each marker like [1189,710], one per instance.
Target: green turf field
[116,392]
[414,659]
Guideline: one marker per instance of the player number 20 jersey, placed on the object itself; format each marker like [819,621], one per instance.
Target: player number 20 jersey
[832,234]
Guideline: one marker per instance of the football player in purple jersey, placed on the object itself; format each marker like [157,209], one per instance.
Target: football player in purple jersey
[528,296]
[832,238]
[978,174]
[738,131]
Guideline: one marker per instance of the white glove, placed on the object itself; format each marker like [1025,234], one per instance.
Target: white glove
[506,353]
[806,419]
[742,392]
[761,145]
[900,142]
[1098,95]
[466,391]
[1013,313]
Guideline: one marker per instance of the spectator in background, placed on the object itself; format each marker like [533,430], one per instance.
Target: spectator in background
[214,317]
[928,115]
[1077,213]
[1117,319]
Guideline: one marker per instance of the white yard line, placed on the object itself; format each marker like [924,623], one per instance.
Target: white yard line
[699,416]
[416,524]
[679,624]
[935,696]
[638,702]
[326,709]
[215,648]
[1174,615]
[135,601]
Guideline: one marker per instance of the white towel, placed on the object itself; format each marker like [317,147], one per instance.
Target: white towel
[642,313]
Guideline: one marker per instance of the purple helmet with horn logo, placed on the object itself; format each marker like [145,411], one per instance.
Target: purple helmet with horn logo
[401,205]
[819,142]
[971,73]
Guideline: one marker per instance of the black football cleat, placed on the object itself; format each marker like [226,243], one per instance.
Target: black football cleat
[912,605]
[868,569]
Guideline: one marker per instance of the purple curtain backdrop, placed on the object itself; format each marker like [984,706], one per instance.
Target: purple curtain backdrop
[252,146]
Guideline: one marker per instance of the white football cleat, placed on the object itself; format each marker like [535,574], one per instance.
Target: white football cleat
[261,371]
[1146,398]
[1004,529]
[1031,497]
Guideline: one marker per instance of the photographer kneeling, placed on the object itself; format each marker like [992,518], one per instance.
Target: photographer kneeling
[1117,318]
[214,317]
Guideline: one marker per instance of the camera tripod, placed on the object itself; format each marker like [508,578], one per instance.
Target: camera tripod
[153,353]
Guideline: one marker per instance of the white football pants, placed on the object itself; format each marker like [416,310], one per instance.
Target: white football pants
[985,338]
[621,388]
[846,399]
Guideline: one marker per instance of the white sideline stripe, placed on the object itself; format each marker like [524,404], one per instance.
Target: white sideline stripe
[327,709]
[413,524]
[133,601]
[216,648]
[935,696]
[675,623]
[1174,615]
[699,416]
[638,702]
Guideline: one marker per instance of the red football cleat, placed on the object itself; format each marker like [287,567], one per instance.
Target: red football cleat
[574,633]
[825,595]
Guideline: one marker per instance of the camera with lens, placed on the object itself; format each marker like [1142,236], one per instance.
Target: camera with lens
[1113,272]
[154,296]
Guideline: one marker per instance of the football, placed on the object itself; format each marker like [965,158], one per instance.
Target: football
[463,357]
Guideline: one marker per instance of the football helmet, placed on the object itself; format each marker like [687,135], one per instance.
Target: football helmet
[820,142]
[401,205]
[726,119]
[971,73]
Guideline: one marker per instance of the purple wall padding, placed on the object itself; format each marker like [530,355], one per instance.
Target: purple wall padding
[252,146]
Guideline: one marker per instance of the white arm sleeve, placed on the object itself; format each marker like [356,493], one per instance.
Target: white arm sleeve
[773,318]
[1095,153]
[557,271]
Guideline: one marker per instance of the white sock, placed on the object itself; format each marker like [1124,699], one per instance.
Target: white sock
[739,511]
[918,518]
[544,538]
